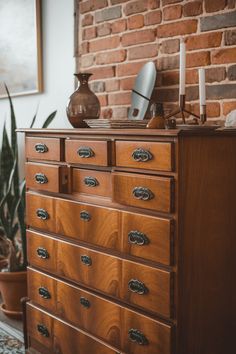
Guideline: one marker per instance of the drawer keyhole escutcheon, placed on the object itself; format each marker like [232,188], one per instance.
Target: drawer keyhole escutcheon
[84,215]
[91,181]
[85,302]
[42,253]
[138,238]
[41,178]
[137,337]
[41,148]
[142,155]
[85,152]
[86,260]
[142,193]
[43,330]
[44,293]
[42,214]
[137,287]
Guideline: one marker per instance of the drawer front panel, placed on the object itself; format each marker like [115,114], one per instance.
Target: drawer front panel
[87,152]
[147,237]
[91,182]
[143,191]
[145,155]
[43,148]
[147,287]
[43,177]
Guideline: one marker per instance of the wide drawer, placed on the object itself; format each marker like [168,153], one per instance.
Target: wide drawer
[116,325]
[43,148]
[145,155]
[51,178]
[87,152]
[48,334]
[149,192]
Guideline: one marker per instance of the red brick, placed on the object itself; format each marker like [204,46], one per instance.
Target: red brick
[145,51]
[89,33]
[167,2]
[152,18]
[134,7]
[170,46]
[222,56]
[153,4]
[84,48]
[215,74]
[86,60]
[192,8]
[87,20]
[207,40]
[213,109]
[127,83]
[104,29]
[129,68]
[112,85]
[91,5]
[192,76]
[136,21]
[118,26]
[115,2]
[177,28]
[172,12]
[170,78]
[228,107]
[109,57]
[214,5]
[102,100]
[197,59]
[137,37]
[106,113]
[102,73]
[119,98]
[168,63]
[120,112]
[104,43]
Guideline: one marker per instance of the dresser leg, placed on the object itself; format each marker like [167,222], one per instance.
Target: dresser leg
[24,300]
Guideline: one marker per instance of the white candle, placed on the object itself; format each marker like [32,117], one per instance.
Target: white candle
[202,89]
[182,66]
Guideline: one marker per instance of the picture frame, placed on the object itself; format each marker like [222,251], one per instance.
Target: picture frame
[20,47]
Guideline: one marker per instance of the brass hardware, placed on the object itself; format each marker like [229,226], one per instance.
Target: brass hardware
[85,152]
[44,293]
[43,330]
[85,302]
[41,178]
[137,287]
[138,337]
[84,215]
[138,238]
[86,260]
[42,214]
[42,253]
[91,181]
[142,193]
[41,148]
[141,155]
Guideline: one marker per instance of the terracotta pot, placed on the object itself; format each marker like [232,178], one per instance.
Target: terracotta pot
[13,286]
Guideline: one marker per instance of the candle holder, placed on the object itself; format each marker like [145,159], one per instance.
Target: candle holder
[203,117]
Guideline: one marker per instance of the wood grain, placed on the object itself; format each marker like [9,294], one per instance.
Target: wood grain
[53,148]
[50,172]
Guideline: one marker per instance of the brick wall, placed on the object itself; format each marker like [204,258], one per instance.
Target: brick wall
[116,37]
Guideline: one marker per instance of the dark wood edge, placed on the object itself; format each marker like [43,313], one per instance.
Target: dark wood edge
[24,301]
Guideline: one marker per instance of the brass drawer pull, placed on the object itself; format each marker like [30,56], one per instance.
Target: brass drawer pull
[138,238]
[85,152]
[137,287]
[41,178]
[142,193]
[141,155]
[86,260]
[42,214]
[44,293]
[42,253]
[43,330]
[91,181]
[85,302]
[84,215]
[137,337]
[41,148]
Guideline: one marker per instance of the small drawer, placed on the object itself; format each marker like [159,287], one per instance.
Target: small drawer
[87,152]
[91,182]
[145,155]
[143,191]
[147,287]
[51,178]
[43,148]
[147,237]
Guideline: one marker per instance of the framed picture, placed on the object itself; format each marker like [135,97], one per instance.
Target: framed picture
[20,47]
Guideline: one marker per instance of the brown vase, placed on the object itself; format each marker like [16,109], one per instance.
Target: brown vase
[13,287]
[83,103]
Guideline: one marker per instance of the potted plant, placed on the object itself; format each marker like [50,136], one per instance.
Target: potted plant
[13,278]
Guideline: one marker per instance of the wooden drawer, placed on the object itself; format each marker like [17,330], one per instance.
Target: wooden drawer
[60,337]
[87,152]
[43,148]
[145,155]
[91,182]
[143,191]
[147,287]
[51,178]
[147,237]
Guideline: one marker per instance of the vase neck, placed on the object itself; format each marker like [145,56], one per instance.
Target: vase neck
[83,78]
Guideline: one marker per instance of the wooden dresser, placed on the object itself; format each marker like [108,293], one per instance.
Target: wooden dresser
[131,241]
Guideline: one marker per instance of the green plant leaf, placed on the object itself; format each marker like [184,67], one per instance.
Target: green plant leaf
[34,118]
[49,119]
[13,123]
